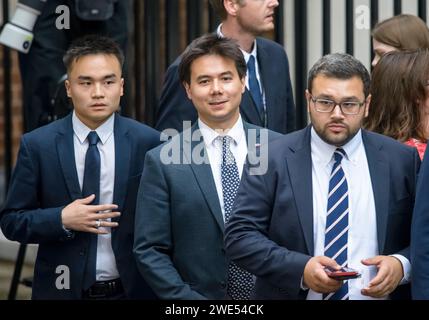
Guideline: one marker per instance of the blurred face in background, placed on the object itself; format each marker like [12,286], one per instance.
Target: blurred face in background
[256,16]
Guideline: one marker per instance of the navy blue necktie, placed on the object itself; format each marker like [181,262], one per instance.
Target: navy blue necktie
[337,221]
[254,88]
[240,282]
[91,185]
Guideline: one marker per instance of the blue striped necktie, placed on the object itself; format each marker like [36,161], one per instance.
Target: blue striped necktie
[337,222]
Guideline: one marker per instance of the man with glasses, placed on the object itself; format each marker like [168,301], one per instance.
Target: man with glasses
[334,196]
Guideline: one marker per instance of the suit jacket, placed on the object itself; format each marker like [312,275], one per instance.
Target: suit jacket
[45,181]
[175,107]
[271,230]
[420,236]
[179,223]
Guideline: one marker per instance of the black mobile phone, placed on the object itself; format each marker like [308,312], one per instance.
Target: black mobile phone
[342,274]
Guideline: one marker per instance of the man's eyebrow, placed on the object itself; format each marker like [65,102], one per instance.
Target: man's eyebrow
[109,76]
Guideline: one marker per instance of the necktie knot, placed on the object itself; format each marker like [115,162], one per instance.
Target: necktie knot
[93,138]
[227,156]
[339,154]
[226,141]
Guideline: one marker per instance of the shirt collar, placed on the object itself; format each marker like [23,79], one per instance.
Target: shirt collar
[245,54]
[324,151]
[104,131]
[210,135]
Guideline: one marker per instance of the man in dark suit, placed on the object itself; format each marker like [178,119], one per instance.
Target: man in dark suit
[334,196]
[189,184]
[74,187]
[420,236]
[268,99]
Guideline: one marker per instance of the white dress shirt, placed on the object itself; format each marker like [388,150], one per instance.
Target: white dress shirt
[246,58]
[362,233]
[106,263]
[214,152]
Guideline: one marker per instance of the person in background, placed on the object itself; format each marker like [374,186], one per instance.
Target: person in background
[400,105]
[399,33]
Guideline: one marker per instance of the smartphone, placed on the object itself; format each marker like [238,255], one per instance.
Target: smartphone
[342,274]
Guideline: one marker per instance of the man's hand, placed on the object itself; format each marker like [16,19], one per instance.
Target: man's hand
[389,274]
[316,278]
[81,216]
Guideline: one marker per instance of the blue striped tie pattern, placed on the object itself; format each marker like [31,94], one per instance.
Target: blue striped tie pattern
[337,221]
[240,282]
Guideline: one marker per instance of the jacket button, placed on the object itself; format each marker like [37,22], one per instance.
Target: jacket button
[223,285]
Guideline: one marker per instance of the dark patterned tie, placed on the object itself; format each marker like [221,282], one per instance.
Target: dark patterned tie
[337,222]
[240,282]
[91,185]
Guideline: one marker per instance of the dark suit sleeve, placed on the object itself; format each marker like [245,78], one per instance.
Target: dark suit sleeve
[153,241]
[22,219]
[247,235]
[174,105]
[420,235]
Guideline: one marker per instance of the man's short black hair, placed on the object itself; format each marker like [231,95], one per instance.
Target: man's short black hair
[92,44]
[211,44]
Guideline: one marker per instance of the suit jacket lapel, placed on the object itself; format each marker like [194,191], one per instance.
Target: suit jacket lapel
[65,149]
[300,172]
[249,110]
[203,175]
[379,171]
[122,163]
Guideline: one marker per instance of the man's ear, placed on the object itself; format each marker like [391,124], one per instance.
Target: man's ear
[231,7]
[367,105]
[67,84]
[188,90]
[308,97]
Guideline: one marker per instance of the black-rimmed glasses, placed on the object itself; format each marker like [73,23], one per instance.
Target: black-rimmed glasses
[327,106]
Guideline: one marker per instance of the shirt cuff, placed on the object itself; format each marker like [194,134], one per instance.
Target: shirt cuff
[406,268]
[69,233]
[303,287]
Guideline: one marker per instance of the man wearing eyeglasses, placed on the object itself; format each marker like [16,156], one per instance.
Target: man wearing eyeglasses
[334,196]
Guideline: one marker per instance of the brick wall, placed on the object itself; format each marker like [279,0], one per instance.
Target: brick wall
[17,119]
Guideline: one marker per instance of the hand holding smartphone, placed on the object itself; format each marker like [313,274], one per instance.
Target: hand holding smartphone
[342,274]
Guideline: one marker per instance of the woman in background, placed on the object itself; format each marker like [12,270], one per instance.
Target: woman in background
[400,98]
[399,33]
